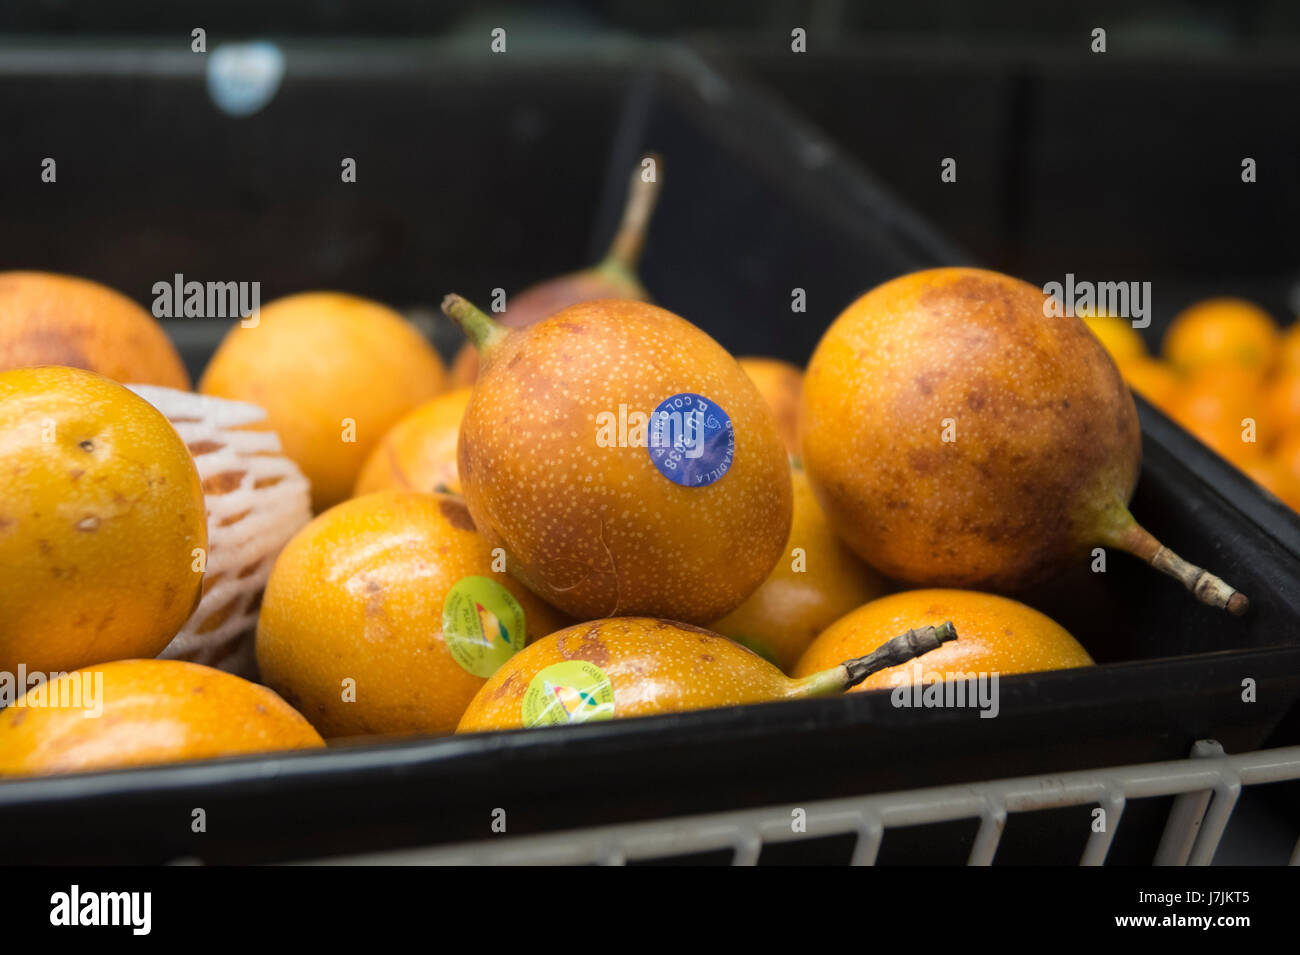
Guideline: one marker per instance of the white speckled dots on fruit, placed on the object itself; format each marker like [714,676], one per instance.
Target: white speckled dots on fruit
[599,531]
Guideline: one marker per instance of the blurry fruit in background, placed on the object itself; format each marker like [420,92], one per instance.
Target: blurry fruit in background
[1151,378]
[996,635]
[614,276]
[638,666]
[817,581]
[1117,336]
[1154,380]
[1222,330]
[101,522]
[419,452]
[49,319]
[1272,474]
[956,435]
[1288,454]
[781,385]
[624,461]
[1238,369]
[334,372]
[256,500]
[1213,404]
[153,711]
[1289,351]
[1282,401]
[387,613]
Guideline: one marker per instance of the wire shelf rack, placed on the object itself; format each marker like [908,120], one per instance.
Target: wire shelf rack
[1206,787]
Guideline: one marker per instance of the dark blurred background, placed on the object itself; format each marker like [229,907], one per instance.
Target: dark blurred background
[1208,22]
[1117,166]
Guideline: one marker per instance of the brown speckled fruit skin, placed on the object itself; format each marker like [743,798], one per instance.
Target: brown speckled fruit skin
[599,531]
[542,301]
[654,666]
[358,594]
[1047,441]
[154,711]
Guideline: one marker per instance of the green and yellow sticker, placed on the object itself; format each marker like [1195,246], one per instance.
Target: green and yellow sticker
[482,625]
[573,691]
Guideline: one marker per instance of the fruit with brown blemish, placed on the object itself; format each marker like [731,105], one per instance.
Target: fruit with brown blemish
[556,465]
[998,635]
[781,385]
[101,522]
[51,319]
[957,435]
[640,666]
[614,276]
[145,712]
[361,594]
[817,581]
[419,452]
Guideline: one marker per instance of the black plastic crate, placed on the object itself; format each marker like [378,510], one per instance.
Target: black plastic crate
[477,172]
[1117,166]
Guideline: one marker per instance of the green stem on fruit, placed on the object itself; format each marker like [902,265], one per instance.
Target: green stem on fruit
[478,326]
[1126,534]
[642,194]
[904,647]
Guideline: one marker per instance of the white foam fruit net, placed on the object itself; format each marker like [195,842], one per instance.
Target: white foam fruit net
[256,500]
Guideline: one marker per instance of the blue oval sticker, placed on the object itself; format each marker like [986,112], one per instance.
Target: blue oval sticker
[691,440]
